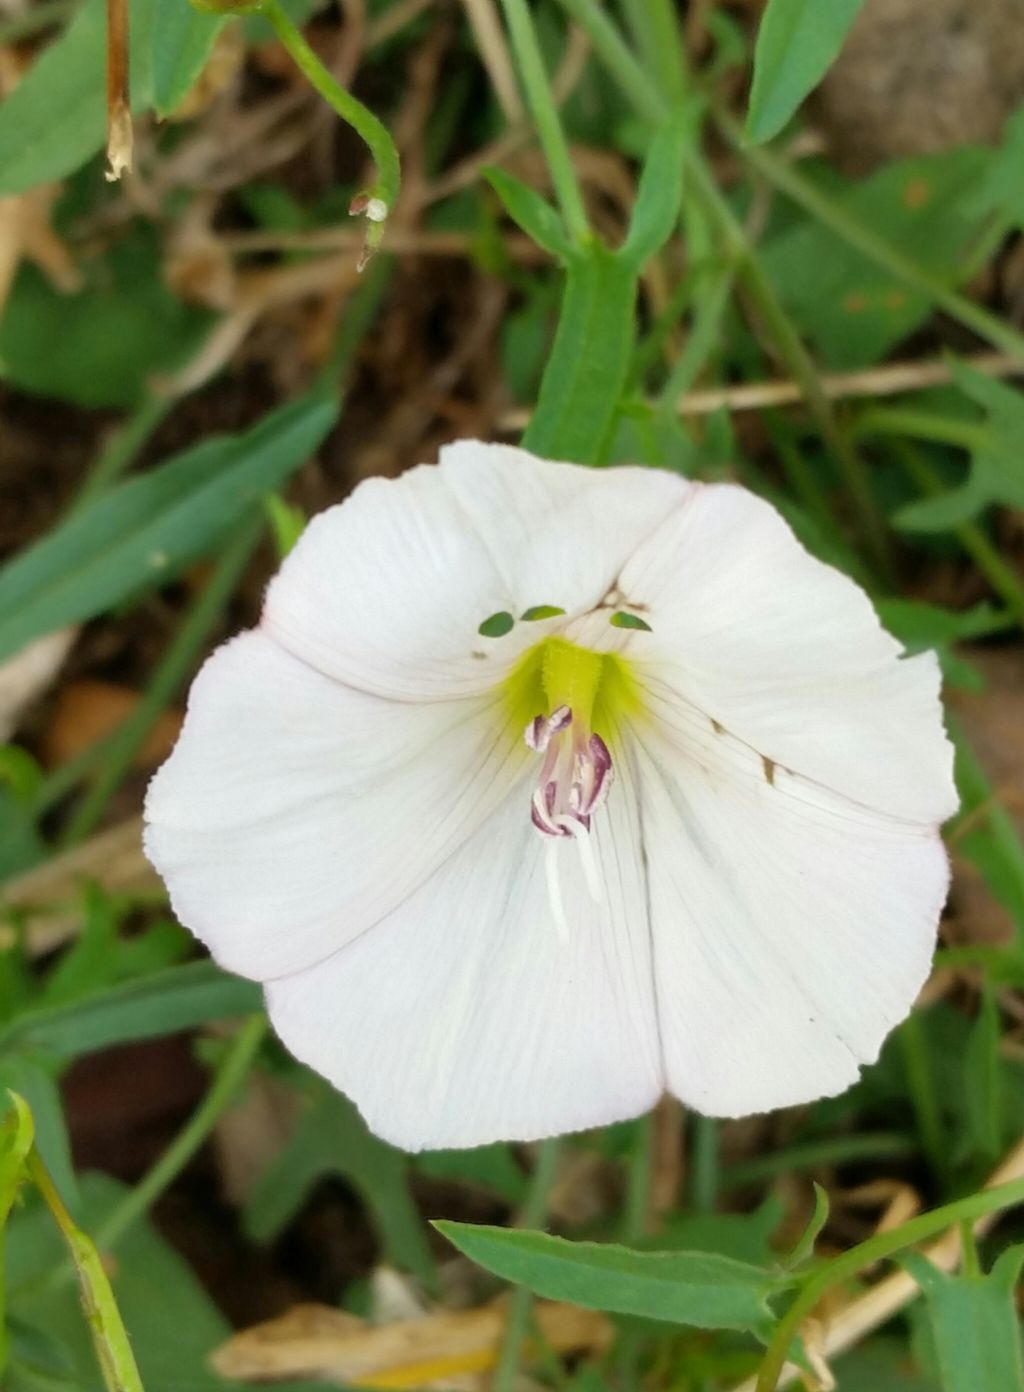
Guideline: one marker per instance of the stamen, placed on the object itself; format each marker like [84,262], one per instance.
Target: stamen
[573,783]
[555,892]
[590,874]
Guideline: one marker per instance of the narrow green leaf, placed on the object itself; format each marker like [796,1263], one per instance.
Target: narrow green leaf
[659,195]
[586,372]
[805,1246]
[528,210]
[692,1288]
[55,119]
[143,530]
[178,998]
[182,40]
[797,43]
[974,1324]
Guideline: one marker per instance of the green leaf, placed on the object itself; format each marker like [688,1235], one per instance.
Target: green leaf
[974,1324]
[331,1138]
[146,528]
[852,310]
[1003,191]
[919,625]
[55,119]
[797,43]
[659,195]
[997,469]
[805,1246]
[178,998]
[586,372]
[529,211]
[692,1288]
[100,346]
[183,38]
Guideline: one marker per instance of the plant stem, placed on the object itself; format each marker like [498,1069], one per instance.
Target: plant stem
[1001,576]
[704,1164]
[541,102]
[923,1097]
[634,82]
[795,356]
[117,1363]
[867,1253]
[865,240]
[372,131]
[169,675]
[228,1078]
[638,1180]
[533,1214]
[923,425]
[702,338]
[836,1150]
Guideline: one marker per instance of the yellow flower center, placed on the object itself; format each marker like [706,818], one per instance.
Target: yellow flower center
[599,688]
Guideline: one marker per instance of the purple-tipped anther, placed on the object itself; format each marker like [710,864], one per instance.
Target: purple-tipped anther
[575,775]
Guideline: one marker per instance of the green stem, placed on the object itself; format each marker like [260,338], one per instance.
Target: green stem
[923,425]
[230,1074]
[864,239]
[541,101]
[703,336]
[638,1181]
[923,1097]
[836,1150]
[110,1339]
[372,131]
[533,1215]
[876,1249]
[795,356]
[1001,576]
[173,668]
[634,81]
[704,1164]
[656,35]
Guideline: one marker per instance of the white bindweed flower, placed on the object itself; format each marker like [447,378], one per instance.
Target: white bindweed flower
[542,789]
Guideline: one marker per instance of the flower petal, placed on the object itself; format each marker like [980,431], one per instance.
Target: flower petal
[387,591]
[559,533]
[466,1017]
[789,656]
[792,928]
[294,812]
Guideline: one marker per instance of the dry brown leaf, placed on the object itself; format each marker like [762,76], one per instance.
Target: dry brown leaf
[26,232]
[51,893]
[438,1351]
[27,675]
[88,710]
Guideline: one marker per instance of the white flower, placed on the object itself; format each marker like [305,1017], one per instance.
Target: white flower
[712,864]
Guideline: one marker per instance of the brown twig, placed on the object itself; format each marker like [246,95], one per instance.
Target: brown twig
[119,109]
[891,380]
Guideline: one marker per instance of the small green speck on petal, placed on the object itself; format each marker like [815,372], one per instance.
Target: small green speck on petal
[623,620]
[497,625]
[543,611]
